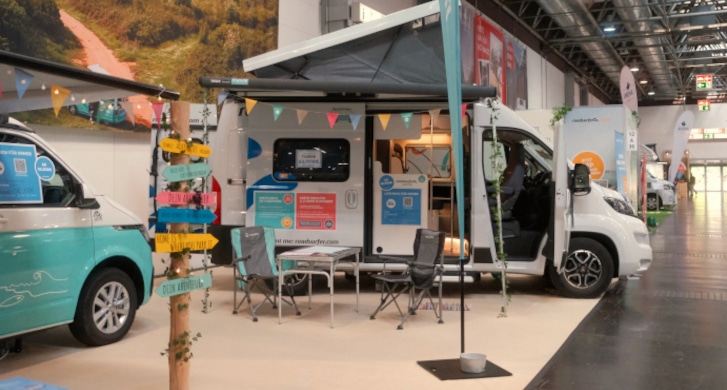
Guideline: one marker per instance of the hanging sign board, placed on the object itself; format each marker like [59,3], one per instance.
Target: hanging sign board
[184,285]
[703,105]
[177,242]
[704,81]
[176,146]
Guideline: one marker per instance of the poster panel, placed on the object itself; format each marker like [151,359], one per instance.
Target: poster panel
[490,57]
[516,74]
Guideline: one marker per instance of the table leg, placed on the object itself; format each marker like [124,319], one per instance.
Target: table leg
[310,289]
[281,276]
[330,284]
[357,281]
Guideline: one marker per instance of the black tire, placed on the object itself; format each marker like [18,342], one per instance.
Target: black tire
[652,202]
[114,290]
[587,271]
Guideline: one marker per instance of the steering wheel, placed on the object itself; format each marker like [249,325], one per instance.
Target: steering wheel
[542,178]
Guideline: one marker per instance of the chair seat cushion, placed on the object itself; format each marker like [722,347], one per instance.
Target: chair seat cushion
[392,278]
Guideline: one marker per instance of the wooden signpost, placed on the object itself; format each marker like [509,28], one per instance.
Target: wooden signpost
[177,215]
[186,172]
[176,146]
[177,242]
[185,198]
[174,287]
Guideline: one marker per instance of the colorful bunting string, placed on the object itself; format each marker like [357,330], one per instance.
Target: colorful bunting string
[332,118]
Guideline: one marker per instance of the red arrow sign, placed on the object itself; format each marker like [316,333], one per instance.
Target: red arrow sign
[184,198]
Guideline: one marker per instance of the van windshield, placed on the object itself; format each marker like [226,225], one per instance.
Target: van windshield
[543,156]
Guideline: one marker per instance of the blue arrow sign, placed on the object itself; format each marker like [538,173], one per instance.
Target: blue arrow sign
[177,215]
[183,285]
[186,172]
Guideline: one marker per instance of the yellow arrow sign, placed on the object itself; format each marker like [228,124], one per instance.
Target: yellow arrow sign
[177,242]
[172,145]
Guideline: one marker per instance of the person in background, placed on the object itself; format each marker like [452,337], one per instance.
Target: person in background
[690,187]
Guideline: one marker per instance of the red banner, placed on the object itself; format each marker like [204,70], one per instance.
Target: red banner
[491,57]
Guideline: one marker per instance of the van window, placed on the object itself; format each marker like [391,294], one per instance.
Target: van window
[311,159]
[55,190]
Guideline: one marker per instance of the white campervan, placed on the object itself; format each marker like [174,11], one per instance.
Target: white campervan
[68,255]
[365,165]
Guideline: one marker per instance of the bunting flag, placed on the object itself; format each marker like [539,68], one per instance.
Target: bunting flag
[129,108]
[157,107]
[22,81]
[249,105]
[277,110]
[434,114]
[406,117]
[221,96]
[58,95]
[355,118]
[301,115]
[332,118]
[384,118]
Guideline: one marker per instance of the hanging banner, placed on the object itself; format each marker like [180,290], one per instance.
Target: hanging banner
[679,141]
[516,74]
[629,97]
[490,57]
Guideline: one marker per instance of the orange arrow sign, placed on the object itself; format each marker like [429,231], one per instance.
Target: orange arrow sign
[172,145]
[177,242]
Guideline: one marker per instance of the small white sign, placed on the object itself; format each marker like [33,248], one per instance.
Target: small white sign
[308,158]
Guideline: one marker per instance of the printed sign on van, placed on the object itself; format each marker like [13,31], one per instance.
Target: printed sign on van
[19,181]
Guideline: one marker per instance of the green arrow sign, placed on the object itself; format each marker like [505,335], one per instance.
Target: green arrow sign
[184,285]
[186,171]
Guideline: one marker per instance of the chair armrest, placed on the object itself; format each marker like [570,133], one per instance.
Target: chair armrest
[240,259]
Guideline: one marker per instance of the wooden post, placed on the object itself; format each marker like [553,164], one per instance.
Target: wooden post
[179,328]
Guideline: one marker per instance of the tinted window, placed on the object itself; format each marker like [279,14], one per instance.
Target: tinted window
[311,159]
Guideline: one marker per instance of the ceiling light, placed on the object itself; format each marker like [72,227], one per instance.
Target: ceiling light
[643,81]
[651,93]
[634,68]
[609,29]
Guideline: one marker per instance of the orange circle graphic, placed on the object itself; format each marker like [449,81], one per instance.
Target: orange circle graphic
[592,161]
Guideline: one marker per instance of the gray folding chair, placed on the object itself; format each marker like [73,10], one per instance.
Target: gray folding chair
[423,272]
[255,268]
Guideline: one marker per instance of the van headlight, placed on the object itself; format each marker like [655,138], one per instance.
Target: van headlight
[620,205]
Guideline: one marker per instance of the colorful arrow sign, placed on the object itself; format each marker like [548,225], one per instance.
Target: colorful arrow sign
[186,172]
[175,215]
[183,198]
[184,285]
[176,146]
[177,242]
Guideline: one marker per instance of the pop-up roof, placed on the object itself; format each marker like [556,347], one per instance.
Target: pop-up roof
[36,76]
[404,47]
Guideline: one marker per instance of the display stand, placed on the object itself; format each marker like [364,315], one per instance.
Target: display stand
[450,369]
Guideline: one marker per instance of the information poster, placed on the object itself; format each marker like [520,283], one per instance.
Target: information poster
[620,163]
[315,211]
[19,181]
[275,209]
[401,207]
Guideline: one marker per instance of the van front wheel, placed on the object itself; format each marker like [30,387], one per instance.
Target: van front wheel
[587,271]
[106,308]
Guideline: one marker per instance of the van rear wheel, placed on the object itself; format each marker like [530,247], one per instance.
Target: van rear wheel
[652,202]
[106,308]
[587,271]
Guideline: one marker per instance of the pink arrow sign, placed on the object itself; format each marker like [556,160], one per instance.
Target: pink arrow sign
[182,198]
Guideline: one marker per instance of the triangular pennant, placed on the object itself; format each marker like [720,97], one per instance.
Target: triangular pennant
[384,118]
[129,108]
[406,117]
[277,110]
[249,105]
[434,115]
[354,120]
[332,118]
[157,108]
[464,109]
[221,96]
[58,95]
[301,115]
[22,81]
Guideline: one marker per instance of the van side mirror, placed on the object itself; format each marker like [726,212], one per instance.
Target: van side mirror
[581,183]
[82,202]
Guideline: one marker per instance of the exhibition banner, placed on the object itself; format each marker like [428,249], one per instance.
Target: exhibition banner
[679,142]
[490,57]
[516,74]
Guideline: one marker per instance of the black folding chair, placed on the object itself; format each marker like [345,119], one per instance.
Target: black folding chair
[423,272]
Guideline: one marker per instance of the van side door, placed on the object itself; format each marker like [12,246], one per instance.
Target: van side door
[562,218]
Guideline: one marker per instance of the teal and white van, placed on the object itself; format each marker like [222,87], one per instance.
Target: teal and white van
[68,255]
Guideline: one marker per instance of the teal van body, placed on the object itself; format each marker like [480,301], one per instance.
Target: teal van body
[106,111]
[67,254]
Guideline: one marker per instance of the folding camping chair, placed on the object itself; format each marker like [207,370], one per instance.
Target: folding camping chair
[255,267]
[423,272]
